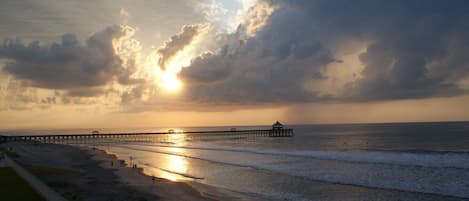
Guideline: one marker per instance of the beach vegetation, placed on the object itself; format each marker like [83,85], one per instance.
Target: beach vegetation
[13,187]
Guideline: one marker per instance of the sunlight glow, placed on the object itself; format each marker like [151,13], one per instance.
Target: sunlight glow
[176,164]
[171,83]
[178,138]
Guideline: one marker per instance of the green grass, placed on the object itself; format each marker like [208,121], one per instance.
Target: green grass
[13,187]
[45,171]
[52,176]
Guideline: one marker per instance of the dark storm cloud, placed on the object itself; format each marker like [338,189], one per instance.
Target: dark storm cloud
[416,49]
[68,65]
[412,39]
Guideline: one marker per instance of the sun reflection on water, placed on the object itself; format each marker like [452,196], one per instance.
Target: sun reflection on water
[169,166]
[175,149]
[174,164]
[177,138]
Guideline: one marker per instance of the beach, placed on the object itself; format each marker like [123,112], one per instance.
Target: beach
[83,173]
[391,162]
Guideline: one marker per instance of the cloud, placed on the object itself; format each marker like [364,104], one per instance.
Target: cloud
[80,69]
[177,43]
[413,49]
[15,96]
[267,67]
[284,52]
[257,16]
[220,69]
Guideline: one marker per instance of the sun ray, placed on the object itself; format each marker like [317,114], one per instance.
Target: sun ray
[171,83]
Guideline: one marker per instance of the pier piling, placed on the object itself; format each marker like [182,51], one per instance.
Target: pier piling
[148,137]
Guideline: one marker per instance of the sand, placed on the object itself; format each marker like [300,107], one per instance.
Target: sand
[91,174]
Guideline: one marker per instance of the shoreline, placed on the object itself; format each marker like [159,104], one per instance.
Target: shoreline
[138,177]
[84,173]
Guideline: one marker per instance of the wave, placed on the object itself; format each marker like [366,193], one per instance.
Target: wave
[425,159]
[170,171]
[190,157]
[439,180]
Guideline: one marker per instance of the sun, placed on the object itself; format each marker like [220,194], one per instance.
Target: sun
[167,80]
[171,83]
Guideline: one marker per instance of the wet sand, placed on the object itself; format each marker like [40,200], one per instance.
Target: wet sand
[81,173]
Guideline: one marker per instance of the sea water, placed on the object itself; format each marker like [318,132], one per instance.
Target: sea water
[399,161]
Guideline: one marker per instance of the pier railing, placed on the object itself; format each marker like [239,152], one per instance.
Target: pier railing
[151,136]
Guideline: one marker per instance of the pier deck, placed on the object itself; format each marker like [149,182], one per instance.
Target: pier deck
[150,136]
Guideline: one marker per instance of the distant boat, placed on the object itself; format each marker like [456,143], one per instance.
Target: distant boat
[95,133]
[171,131]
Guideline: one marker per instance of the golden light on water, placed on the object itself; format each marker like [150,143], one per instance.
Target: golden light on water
[174,164]
[177,138]
[176,149]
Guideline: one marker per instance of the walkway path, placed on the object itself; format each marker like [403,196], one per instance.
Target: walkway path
[37,184]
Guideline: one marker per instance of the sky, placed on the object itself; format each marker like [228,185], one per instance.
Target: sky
[122,63]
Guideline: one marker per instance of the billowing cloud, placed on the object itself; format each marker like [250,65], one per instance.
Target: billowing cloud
[177,43]
[13,95]
[257,16]
[16,95]
[80,69]
[283,52]
[413,49]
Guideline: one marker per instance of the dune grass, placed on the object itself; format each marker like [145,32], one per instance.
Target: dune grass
[13,187]
[45,171]
[53,177]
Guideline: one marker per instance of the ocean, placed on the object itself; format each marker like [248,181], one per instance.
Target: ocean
[391,161]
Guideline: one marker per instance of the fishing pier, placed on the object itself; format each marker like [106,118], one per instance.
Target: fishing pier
[170,136]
